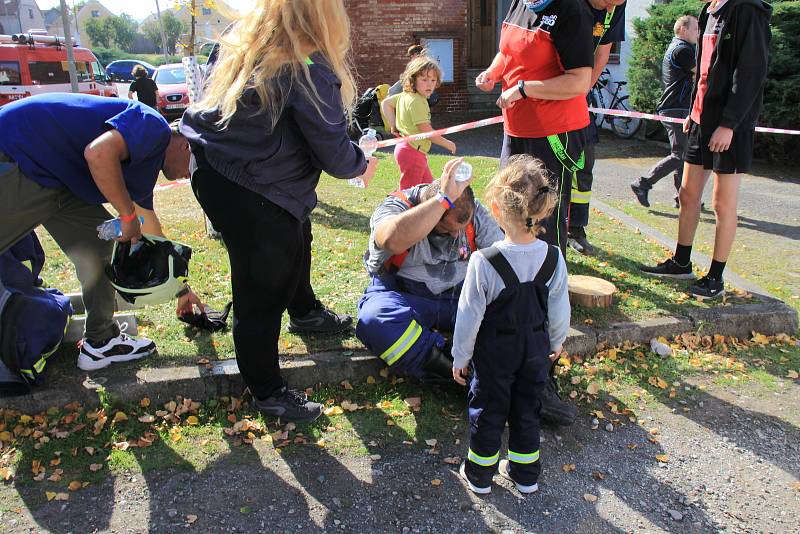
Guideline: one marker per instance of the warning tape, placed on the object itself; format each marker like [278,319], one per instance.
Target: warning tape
[499,119]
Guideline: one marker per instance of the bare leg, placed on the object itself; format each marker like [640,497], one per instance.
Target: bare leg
[724,201]
[694,181]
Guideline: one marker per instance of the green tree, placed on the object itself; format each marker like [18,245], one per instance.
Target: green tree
[781,98]
[173,28]
[123,29]
[100,33]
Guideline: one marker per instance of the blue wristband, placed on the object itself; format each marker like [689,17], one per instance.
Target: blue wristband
[441,196]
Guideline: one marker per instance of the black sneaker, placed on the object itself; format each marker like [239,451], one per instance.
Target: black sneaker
[320,320]
[707,288]
[669,269]
[438,368]
[677,204]
[576,239]
[289,405]
[641,193]
[554,410]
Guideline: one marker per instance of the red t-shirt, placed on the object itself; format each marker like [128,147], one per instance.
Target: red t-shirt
[710,35]
[540,46]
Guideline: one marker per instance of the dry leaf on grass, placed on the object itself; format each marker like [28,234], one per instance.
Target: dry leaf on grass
[452,460]
[192,420]
[374,457]
[598,475]
[6,473]
[346,385]
[593,388]
[431,442]
[370,379]
[95,467]
[792,374]
[333,410]
[568,468]
[191,518]
[75,485]
[413,402]
[384,372]
[663,458]
[147,418]
[588,497]
[119,417]
[436,482]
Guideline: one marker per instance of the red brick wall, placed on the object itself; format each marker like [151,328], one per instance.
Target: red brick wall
[383,30]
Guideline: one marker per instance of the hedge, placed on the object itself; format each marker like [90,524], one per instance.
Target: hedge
[781,95]
[107,55]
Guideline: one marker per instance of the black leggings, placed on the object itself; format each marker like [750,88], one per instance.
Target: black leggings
[270,254]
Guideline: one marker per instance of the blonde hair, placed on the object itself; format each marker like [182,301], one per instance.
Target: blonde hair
[683,22]
[274,39]
[522,192]
[417,66]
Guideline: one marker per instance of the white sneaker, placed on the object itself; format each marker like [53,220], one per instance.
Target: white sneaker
[122,348]
[472,487]
[503,470]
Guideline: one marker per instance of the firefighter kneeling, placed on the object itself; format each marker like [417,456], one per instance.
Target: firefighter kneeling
[420,242]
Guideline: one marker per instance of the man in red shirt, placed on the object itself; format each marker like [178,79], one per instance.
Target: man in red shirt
[545,67]
[733,55]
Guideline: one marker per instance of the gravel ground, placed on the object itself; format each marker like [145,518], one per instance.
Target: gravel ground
[732,463]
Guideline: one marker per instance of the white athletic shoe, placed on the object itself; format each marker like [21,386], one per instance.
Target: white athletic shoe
[472,487]
[122,348]
[503,470]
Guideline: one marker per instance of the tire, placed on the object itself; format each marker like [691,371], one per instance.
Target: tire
[598,118]
[625,127]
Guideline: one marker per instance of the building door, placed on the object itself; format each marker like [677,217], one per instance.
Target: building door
[482,32]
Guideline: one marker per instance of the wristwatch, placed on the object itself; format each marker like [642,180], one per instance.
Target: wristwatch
[521,87]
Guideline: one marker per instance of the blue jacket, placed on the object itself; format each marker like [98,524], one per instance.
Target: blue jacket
[283,164]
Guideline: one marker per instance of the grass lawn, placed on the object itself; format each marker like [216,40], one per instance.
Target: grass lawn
[747,257]
[341,231]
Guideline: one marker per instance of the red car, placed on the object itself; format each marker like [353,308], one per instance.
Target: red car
[173,97]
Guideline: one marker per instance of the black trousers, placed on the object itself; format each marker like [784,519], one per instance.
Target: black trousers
[270,257]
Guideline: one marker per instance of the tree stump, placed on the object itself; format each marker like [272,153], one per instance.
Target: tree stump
[590,292]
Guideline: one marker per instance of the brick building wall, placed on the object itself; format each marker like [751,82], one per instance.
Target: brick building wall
[383,30]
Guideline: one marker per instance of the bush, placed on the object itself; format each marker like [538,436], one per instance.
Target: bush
[107,55]
[781,98]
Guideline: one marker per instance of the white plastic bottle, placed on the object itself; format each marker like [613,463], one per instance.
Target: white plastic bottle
[368,144]
[112,228]
[463,172]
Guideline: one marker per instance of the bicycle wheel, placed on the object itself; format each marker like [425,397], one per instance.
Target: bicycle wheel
[596,101]
[625,127]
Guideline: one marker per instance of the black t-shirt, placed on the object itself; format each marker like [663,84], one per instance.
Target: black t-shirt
[677,76]
[615,33]
[145,90]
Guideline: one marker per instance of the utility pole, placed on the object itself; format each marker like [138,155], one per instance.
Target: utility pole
[163,35]
[73,74]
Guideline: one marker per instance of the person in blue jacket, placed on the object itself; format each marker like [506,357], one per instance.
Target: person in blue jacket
[273,117]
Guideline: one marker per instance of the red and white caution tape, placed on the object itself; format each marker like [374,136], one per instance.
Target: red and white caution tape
[499,119]
[662,118]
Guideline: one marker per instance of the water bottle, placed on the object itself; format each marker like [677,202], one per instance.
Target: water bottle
[112,228]
[368,144]
[463,172]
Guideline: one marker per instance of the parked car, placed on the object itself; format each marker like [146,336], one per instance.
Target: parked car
[122,69]
[35,64]
[173,94]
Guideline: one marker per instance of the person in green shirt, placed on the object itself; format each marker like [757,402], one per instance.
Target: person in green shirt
[408,113]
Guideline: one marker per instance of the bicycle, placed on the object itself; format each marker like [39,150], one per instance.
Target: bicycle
[623,127]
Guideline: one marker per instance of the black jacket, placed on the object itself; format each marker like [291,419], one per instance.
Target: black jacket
[738,66]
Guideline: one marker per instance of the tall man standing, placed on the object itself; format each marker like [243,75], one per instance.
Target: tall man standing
[677,76]
[608,28]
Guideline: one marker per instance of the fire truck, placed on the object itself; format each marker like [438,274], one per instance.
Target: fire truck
[32,63]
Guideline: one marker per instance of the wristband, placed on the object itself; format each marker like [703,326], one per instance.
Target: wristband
[128,218]
[521,87]
[445,201]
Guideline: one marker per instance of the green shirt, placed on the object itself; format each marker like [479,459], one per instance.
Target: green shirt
[411,110]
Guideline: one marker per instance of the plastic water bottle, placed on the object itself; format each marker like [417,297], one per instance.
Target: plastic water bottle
[368,144]
[463,172]
[112,228]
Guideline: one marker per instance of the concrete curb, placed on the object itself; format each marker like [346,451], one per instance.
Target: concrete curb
[130,384]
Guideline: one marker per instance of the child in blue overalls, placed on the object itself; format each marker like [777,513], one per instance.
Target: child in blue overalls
[512,319]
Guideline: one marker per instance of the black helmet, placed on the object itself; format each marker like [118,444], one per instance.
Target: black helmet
[152,271]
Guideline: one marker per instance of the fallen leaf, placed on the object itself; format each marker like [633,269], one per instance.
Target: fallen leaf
[120,417]
[147,418]
[431,442]
[385,405]
[95,467]
[663,458]
[588,497]
[593,388]
[389,422]
[413,402]
[568,468]
[792,374]
[191,518]
[384,372]
[74,485]
[796,486]
[50,495]
[452,460]
[192,420]
[436,482]
[334,410]
[145,402]
[56,476]
[346,385]
[374,457]
[6,436]
[370,379]
[598,475]
[632,446]
[54,462]
[6,473]
[321,443]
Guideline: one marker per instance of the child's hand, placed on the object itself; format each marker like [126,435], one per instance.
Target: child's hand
[460,375]
[557,354]
[686,124]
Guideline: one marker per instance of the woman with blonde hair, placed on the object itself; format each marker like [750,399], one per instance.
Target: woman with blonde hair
[273,117]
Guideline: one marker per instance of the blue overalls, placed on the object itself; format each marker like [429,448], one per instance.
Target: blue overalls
[511,367]
[396,318]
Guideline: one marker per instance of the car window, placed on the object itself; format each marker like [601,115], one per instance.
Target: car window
[9,73]
[99,73]
[167,76]
[55,72]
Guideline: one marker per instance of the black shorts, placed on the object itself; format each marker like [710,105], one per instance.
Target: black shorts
[737,159]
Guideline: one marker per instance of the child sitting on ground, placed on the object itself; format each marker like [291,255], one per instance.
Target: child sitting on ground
[408,113]
[513,317]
